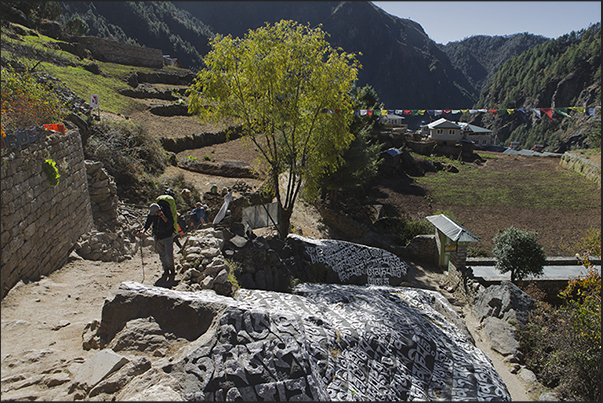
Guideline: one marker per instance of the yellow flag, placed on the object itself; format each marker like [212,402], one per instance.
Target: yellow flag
[421,111]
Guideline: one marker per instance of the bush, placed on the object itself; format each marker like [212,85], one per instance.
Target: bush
[130,155]
[563,345]
[518,252]
[26,102]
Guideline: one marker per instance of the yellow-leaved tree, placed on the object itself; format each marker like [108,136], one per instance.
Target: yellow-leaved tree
[290,90]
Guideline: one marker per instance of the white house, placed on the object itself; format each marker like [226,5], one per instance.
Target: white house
[393,120]
[478,135]
[442,130]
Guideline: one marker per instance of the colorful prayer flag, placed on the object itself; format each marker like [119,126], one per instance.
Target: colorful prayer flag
[562,111]
[548,112]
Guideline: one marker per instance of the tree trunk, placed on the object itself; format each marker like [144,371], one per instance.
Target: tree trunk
[285,222]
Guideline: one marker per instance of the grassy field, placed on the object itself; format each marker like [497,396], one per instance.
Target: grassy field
[530,193]
[532,190]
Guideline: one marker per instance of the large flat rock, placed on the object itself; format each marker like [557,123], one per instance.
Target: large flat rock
[323,342]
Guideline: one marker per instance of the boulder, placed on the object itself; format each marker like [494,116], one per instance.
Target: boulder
[116,381]
[140,334]
[97,368]
[505,301]
[353,263]
[321,342]
[501,335]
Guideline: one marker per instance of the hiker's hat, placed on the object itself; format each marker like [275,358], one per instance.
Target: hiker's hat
[154,208]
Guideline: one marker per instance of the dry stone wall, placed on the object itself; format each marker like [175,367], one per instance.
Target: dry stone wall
[41,223]
[107,50]
[581,165]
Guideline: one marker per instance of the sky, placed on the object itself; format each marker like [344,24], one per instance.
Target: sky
[451,21]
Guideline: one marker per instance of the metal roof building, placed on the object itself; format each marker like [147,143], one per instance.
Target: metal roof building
[451,229]
[451,239]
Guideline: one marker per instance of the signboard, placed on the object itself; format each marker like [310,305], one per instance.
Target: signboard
[450,248]
[94,101]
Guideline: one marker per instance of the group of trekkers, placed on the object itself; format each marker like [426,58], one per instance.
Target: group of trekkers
[168,225]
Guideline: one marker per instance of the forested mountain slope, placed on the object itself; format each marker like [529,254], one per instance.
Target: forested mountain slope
[154,24]
[560,73]
[480,56]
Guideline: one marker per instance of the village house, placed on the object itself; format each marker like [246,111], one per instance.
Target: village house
[442,131]
[171,61]
[447,132]
[394,122]
[478,135]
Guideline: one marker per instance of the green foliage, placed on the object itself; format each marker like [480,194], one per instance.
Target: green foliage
[361,159]
[159,25]
[234,269]
[563,345]
[84,83]
[52,173]
[26,102]
[77,26]
[529,80]
[405,228]
[518,251]
[480,56]
[594,135]
[277,81]
[50,10]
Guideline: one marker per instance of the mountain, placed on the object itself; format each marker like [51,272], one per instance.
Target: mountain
[560,73]
[406,68]
[480,56]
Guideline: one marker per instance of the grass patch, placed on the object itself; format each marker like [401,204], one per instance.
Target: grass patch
[487,156]
[588,152]
[530,190]
[85,83]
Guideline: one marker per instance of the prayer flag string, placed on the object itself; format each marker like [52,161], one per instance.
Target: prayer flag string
[578,110]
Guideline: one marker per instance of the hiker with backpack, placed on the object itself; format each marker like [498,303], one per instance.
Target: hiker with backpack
[163,231]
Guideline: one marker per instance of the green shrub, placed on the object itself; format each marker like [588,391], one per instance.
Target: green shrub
[405,228]
[563,345]
[518,252]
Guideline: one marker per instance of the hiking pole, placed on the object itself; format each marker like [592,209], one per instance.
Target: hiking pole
[141,259]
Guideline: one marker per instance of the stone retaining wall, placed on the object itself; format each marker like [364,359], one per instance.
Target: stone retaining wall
[581,165]
[179,144]
[107,50]
[41,223]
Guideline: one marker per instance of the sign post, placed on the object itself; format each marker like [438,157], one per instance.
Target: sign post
[95,102]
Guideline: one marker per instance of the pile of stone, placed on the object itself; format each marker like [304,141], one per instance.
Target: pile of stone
[203,265]
[106,246]
[103,195]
